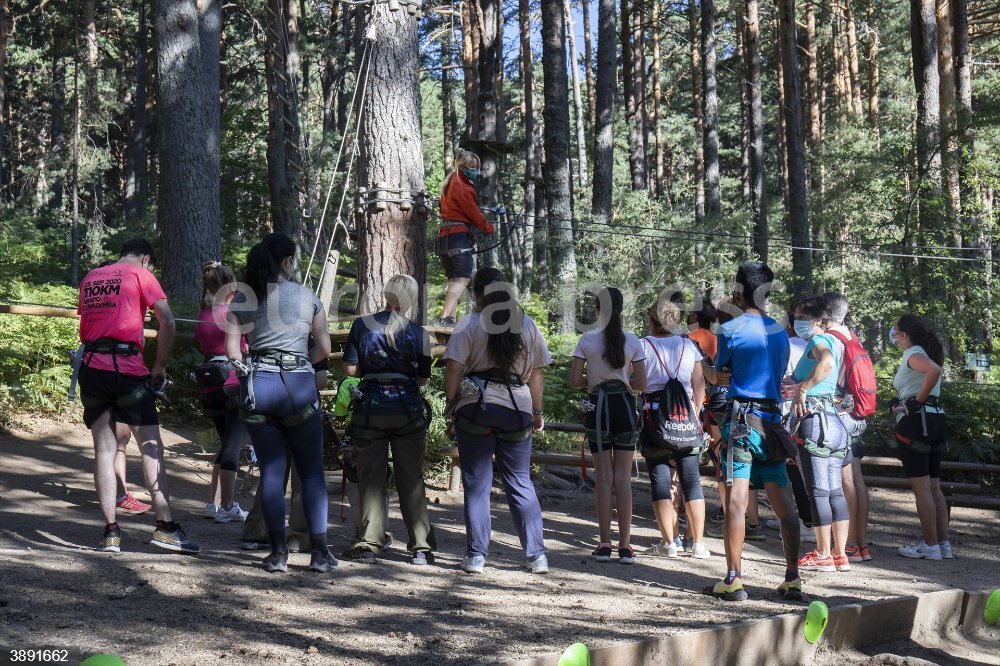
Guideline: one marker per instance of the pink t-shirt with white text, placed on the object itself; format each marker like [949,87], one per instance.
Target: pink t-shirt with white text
[112,304]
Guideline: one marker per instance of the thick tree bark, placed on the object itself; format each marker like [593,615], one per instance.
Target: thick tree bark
[343,94]
[841,79]
[74,192]
[852,58]
[96,138]
[581,129]
[447,105]
[949,139]
[632,68]
[927,82]
[604,129]
[588,55]
[391,240]
[135,161]
[556,172]
[57,130]
[332,79]
[758,194]
[470,63]
[744,106]
[532,165]
[873,73]
[187,54]
[657,101]
[490,125]
[780,144]
[699,124]
[285,170]
[5,26]
[710,102]
[797,202]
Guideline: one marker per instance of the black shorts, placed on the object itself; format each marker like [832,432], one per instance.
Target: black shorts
[218,402]
[101,390]
[455,264]
[618,424]
[921,453]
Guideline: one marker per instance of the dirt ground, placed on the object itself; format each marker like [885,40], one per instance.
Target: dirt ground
[152,607]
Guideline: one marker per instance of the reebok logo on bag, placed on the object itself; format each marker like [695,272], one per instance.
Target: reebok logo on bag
[859,376]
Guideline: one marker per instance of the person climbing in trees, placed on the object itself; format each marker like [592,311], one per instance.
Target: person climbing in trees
[459,214]
[116,386]
[609,363]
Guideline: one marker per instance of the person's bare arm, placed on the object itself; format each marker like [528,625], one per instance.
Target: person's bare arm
[234,338]
[638,379]
[708,372]
[932,372]
[321,338]
[577,376]
[536,384]
[824,366]
[452,378]
[698,385]
[164,339]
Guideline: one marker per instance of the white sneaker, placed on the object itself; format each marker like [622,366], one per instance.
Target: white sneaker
[700,551]
[946,552]
[234,515]
[921,550]
[539,565]
[473,564]
[662,549]
[211,510]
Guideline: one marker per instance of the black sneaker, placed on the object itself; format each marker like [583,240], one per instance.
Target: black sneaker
[602,553]
[626,555]
[359,554]
[111,542]
[323,562]
[422,558]
[276,563]
[176,541]
[446,321]
[717,516]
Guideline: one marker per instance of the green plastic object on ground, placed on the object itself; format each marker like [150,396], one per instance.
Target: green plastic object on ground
[992,611]
[816,618]
[103,660]
[576,654]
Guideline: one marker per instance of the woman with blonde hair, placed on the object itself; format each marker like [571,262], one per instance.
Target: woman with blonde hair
[459,214]
[391,354]
[220,389]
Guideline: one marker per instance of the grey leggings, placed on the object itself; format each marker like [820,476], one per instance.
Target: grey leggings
[825,486]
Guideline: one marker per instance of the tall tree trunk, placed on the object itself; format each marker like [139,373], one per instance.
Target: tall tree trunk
[135,162]
[699,124]
[797,203]
[470,64]
[852,58]
[632,70]
[812,78]
[57,131]
[447,105]
[75,171]
[187,55]
[744,106]
[96,138]
[285,170]
[331,67]
[532,166]
[927,83]
[949,140]
[710,102]
[604,129]
[391,240]
[758,194]
[343,95]
[873,77]
[781,144]
[5,27]
[556,172]
[657,101]
[581,130]
[841,79]
[588,55]
[490,127]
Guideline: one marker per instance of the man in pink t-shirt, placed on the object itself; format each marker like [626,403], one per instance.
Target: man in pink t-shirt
[115,384]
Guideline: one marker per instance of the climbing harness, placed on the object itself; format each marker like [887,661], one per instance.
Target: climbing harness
[482,380]
[273,360]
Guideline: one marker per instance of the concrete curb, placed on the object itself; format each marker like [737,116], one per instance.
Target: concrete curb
[929,618]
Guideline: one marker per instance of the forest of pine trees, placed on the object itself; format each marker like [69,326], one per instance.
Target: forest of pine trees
[850,143]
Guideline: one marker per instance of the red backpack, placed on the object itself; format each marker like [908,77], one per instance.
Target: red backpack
[859,376]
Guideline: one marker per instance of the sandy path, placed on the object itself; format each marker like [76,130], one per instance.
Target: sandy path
[219,608]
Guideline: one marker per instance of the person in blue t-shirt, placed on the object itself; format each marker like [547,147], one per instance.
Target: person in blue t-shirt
[391,354]
[753,353]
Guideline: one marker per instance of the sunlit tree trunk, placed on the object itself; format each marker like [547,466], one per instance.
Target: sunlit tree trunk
[604,129]
[699,128]
[581,130]
[710,104]
[758,194]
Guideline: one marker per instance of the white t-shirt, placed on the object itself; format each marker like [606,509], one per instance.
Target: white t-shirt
[670,353]
[590,348]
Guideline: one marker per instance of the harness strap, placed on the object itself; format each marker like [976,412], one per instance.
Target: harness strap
[731,443]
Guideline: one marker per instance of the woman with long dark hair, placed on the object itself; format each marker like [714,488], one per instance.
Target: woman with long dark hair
[608,362]
[279,397]
[220,389]
[391,354]
[921,431]
[494,385]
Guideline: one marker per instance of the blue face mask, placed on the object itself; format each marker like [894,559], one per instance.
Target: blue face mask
[471,174]
[803,329]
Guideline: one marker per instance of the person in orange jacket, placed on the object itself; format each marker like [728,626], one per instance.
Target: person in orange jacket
[459,214]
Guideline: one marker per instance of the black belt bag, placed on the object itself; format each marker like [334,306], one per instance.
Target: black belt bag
[111,346]
[213,372]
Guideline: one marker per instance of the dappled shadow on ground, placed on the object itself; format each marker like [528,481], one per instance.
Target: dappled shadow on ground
[222,608]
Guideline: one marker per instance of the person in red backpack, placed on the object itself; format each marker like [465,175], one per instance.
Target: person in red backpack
[459,214]
[857,380]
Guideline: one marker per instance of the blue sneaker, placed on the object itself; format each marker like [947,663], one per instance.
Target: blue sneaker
[473,563]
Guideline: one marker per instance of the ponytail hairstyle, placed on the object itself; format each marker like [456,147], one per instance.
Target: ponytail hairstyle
[214,276]
[915,327]
[501,319]
[401,293]
[264,262]
[464,159]
[610,304]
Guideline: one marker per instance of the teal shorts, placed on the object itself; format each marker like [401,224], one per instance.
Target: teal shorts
[758,473]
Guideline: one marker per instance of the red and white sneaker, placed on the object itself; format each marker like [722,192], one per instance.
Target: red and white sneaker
[130,505]
[842,562]
[813,561]
[858,553]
